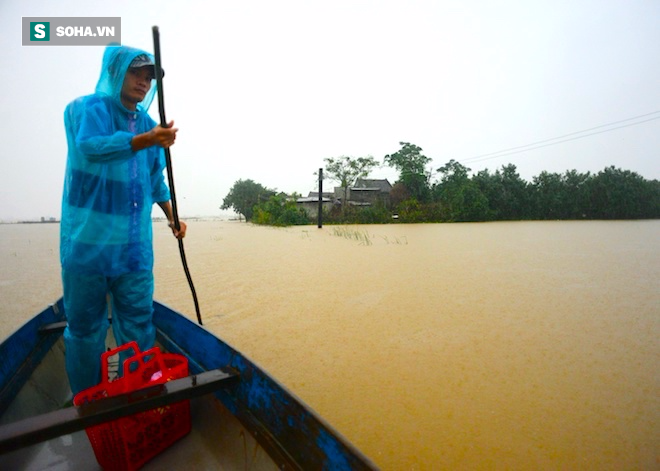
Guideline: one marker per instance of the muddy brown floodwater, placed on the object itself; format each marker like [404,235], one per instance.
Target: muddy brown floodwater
[522,345]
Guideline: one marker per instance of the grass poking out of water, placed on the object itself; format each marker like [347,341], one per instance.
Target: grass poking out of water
[395,241]
[362,237]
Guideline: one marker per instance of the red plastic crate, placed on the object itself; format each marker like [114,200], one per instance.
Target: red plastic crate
[128,443]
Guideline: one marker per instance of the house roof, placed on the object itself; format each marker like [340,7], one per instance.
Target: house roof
[366,183]
[326,194]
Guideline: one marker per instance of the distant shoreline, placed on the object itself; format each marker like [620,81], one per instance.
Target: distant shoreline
[155,219]
[30,222]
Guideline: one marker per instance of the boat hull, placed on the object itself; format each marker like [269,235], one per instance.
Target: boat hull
[253,422]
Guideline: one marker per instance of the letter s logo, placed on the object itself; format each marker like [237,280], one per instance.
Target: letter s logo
[39,31]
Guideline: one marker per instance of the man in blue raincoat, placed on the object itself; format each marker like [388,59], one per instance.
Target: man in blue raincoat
[114,175]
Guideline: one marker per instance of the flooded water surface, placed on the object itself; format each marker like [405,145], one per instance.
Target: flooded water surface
[529,345]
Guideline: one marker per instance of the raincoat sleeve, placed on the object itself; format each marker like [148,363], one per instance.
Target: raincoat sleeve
[159,191]
[96,138]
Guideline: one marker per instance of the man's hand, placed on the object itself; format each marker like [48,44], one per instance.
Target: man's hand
[158,136]
[166,206]
[164,137]
[180,234]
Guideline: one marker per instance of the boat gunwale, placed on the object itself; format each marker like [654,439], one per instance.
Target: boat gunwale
[293,434]
[23,350]
[246,405]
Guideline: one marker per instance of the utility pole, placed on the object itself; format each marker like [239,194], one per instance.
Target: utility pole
[320,225]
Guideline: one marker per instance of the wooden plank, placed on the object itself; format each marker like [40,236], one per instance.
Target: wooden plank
[64,421]
[53,327]
[59,326]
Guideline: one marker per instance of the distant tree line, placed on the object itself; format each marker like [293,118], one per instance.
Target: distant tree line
[262,205]
[503,195]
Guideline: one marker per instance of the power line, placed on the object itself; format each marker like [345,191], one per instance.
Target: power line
[559,142]
[547,142]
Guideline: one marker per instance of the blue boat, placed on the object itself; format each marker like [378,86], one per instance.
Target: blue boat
[241,417]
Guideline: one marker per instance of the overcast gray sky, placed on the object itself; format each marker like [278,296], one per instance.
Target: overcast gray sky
[267,89]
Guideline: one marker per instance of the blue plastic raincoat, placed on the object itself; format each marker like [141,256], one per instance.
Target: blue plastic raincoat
[106,229]
[109,189]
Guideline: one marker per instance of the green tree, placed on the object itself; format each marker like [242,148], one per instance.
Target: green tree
[516,200]
[490,186]
[461,198]
[653,188]
[620,194]
[509,196]
[411,211]
[244,196]
[411,164]
[346,170]
[575,195]
[549,196]
[280,210]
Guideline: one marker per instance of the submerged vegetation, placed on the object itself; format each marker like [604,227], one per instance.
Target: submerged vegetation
[362,237]
[457,196]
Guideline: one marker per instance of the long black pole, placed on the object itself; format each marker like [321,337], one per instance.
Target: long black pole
[320,218]
[168,161]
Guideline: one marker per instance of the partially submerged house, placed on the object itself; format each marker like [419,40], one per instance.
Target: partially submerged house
[310,203]
[365,192]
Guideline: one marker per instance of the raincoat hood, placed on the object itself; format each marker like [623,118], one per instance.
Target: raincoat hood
[116,60]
